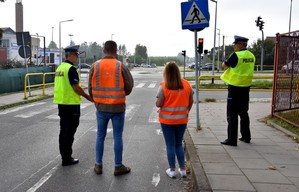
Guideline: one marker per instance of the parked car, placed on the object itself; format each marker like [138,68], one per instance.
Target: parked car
[289,67]
[145,65]
[84,66]
[209,67]
[153,65]
[191,66]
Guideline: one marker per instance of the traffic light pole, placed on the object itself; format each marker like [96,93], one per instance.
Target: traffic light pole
[262,53]
[198,127]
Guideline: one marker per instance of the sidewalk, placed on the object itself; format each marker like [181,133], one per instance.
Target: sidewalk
[269,164]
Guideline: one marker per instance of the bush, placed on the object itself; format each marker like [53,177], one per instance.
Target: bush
[13,64]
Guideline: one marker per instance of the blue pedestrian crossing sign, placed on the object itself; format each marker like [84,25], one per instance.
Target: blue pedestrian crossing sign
[195,14]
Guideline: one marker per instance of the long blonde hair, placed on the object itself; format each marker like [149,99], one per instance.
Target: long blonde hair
[172,76]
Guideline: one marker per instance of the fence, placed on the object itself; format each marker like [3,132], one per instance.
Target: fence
[285,98]
[43,84]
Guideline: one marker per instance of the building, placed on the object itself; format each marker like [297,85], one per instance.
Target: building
[9,49]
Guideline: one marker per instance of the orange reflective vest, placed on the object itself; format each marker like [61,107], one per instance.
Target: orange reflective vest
[175,108]
[107,82]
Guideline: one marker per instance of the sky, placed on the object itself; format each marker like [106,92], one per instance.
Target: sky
[155,24]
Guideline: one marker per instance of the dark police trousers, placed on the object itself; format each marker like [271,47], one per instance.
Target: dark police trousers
[69,121]
[238,105]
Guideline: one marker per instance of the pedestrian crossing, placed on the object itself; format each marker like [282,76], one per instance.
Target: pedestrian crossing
[146,84]
[42,109]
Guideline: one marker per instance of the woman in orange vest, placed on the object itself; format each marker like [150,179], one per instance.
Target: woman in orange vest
[175,99]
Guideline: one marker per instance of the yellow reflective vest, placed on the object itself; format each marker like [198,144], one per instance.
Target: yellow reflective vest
[242,74]
[63,90]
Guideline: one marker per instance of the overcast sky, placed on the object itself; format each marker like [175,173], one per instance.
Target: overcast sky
[155,24]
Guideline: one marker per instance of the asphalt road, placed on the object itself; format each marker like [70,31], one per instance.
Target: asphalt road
[30,159]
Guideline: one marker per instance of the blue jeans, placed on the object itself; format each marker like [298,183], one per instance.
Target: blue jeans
[173,135]
[118,120]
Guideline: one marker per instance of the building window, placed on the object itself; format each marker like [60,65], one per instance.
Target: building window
[5,43]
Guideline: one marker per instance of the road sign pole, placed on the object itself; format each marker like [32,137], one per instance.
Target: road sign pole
[196,80]
[25,56]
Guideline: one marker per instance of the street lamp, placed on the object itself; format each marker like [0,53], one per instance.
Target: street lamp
[214,40]
[52,33]
[218,50]
[290,20]
[112,37]
[44,48]
[60,51]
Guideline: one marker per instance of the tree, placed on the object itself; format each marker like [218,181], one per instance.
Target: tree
[52,45]
[269,46]
[141,52]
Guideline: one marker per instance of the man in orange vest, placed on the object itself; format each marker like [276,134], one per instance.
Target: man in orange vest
[110,81]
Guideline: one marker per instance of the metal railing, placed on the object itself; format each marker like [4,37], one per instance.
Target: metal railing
[43,84]
[217,77]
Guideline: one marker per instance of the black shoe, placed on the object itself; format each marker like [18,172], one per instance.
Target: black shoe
[227,142]
[244,140]
[98,169]
[71,161]
[121,170]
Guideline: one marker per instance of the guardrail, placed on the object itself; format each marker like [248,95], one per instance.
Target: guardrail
[43,84]
[217,77]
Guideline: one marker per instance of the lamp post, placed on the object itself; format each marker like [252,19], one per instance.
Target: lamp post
[52,33]
[60,51]
[44,38]
[112,37]
[290,19]
[218,52]
[214,40]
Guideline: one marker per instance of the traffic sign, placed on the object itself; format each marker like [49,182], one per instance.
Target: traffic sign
[195,14]
[24,51]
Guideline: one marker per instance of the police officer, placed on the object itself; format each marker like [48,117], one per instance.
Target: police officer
[238,74]
[67,94]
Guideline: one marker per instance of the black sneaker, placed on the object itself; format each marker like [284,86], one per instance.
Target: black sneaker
[121,170]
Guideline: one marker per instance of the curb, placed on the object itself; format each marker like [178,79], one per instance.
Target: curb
[285,131]
[199,177]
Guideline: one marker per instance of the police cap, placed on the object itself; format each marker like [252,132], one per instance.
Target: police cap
[239,39]
[72,49]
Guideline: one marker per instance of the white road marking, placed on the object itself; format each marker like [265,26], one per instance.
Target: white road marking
[152,85]
[20,108]
[32,113]
[55,115]
[153,118]
[159,131]
[140,85]
[156,177]
[131,110]
[43,180]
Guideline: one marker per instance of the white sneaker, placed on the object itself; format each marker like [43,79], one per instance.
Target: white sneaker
[170,173]
[183,173]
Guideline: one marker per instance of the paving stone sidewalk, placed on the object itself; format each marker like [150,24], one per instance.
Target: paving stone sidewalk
[270,163]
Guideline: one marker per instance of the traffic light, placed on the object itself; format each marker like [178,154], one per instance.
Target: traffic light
[200,46]
[258,21]
[184,53]
[205,51]
[262,25]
